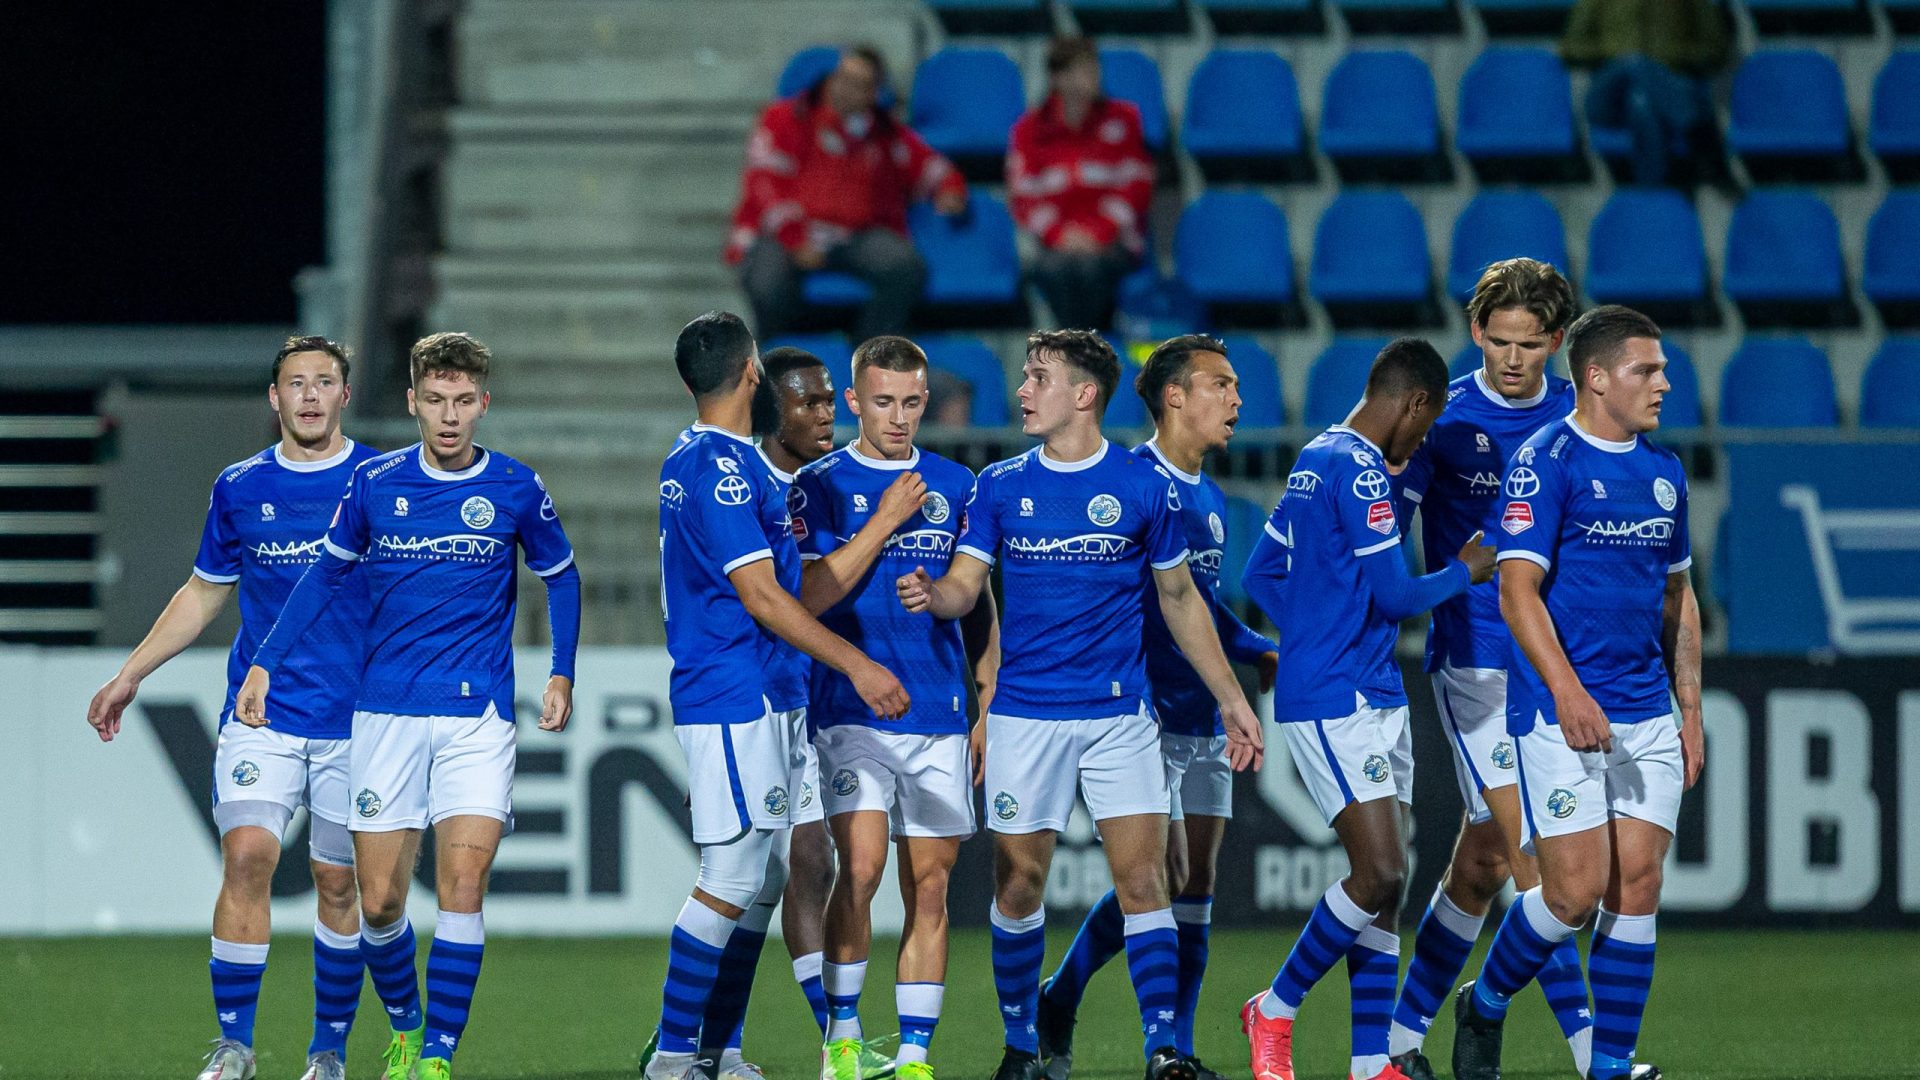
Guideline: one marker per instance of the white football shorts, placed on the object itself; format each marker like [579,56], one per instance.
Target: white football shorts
[1033,766]
[1199,777]
[1473,712]
[922,782]
[261,776]
[408,772]
[1365,755]
[747,776]
[1563,790]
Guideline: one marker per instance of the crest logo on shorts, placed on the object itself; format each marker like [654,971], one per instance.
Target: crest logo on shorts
[477,512]
[1664,494]
[1103,510]
[1374,768]
[367,803]
[936,509]
[1005,806]
[1219,530]
[806,795]
[246,773]
[1561,803]
[845,783]
[776,800]
[1503,755]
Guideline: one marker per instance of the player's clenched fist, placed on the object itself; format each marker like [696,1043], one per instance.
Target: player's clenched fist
[556,705]
[902,499]
[1478,557]
[1582,723]
[916,590]
[880,690]
[250,704]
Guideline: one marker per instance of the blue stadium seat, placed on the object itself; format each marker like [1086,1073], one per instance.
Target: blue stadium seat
[971,259]
[1644,249]
[971,360]
[1132,76]
[1516,117]
[807,67]
[1338,379]
[1370,261]
[1243,117]
[1783,261]
[1378,119]
[1894,130]
[1264,16]
[1231,250]
[835,350]
[1500,225]
[833,289]
[1246,520]
[1890,392]
[1126,410]
[1789,117]
[965,102]
[1130,16]
[1468,360]
[1681,407]
[1892,275]
[1399,16]
[1778,382]
[993,16]
[1536,18]
[1262,398]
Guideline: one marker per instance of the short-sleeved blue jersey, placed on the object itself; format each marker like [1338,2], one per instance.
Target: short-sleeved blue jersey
[834,499]
[1454,480]
[788,669]
[1075,541]
[1180,697]
[1607,521]
[265,523]
[437,551]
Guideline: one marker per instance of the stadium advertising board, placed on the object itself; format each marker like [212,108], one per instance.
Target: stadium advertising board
[1809,812]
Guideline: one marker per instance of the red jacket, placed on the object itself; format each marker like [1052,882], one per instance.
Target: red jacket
[808,181]
[1097,176]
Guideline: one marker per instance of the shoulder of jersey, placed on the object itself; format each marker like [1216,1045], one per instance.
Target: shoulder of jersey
[381,464]
[1557,387]
[362,452]
[1351,448]
[1459,387]
[240,469]
[935,467]
[820,467]
[1551,442]
[503,463]
[1012,465]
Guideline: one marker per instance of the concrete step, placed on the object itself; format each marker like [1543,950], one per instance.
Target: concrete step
[609,309]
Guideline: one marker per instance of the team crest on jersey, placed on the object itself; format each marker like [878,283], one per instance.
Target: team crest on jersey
[1503,755]
[936,510]
[1523,483]
[776,801]
[1663,493]
[246,774]
[367,803]
[1219,530]
[1371,484]
[1374,768]
[477,512]
[1561,803]
[266,511]
[1380,517]
[1518,518]
[399,506]
[806,795]
[845,783]
[1103,510]
[1005,806]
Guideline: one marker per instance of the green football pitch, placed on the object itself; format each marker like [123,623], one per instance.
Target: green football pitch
[1726,1006]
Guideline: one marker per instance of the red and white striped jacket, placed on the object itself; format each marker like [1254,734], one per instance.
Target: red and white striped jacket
[1097,176]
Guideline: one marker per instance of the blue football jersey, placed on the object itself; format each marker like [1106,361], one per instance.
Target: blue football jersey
[1180,697]
[437,551]
[265,524]
[1607,521]
[1075,541]
[1454,481]
[720,509]
[834,499]
[788,668]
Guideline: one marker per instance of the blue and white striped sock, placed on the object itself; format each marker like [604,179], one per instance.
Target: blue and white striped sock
[1153,960]
[806,972]
[1101,936]
[1620,967]
[453,970]
[1566,988]
[236,969]
[389,953]
[919,1006]
[1330,932]
[843,983]
[338,972]
[1192,921]
[1440,950]
[1373,970]
[1019,947]
[693,962]
[1527,936]
[726,1015]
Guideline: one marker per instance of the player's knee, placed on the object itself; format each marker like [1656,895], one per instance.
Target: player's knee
[1638,888]
[1378,880]
[382,906]
[1141,888]
[1179,874]
[1197,881]
[250,858]
[1480,872]
[1573,903]
[334,888]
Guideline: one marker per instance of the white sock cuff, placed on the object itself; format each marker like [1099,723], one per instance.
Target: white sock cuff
[1345,909]
[383,935]
[1193,912]
[1379,939]
[1161,919]
[1533,907]
[704,923]
[1449,915]
[758,917]
[919,998]
[1636,929]
[842,980]
[1024,924]
[808,966]
[460,927]
[326,935]
[239,952]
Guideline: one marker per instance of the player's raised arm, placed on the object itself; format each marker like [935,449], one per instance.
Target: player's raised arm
[828,578]
[193,608]
[781,612]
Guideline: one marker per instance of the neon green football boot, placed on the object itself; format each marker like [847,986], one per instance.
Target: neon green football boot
[875,1065]
[840,1059]
[914,1070]
[435,1069]
[402,1054]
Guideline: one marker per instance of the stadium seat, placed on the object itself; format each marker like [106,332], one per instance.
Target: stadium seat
[1246,520]
[1465,362]
[1681,407]
[1775,383]
[971,360]
[1338,379]
[965,102]
[1232,251]
[1533,18]
[1810,16]
[1789,118]
[1894,130]
[1516,118]
[1126,410]
[1500,225]
[973,269]
[1783,262]
[1644,249]
[1132,76]
[807,67]
[1399,16]
[993,16]
[1243,119]
[1264,16]
[1262,399]
[832,289]
[1892,275]
[1370,265]
[1130,16]
[1378,120]
[1890,391]
[835,350]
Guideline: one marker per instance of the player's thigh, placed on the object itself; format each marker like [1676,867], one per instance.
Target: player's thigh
[856,770]
[471,771]
[933,787]
[383,865]
[1031,770]
[1202,834]
[1123,771]
[1346,760]
[388,762]
[1472,703]
[862,838]
[926,866]
[1639,857]
[259,780]
[1564,816]
[1503,804]
[1020,865]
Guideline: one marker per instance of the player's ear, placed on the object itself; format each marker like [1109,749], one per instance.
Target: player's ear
[413,408]
[346,394]
[853,403]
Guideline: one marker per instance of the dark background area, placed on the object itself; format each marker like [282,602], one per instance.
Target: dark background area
[169,161]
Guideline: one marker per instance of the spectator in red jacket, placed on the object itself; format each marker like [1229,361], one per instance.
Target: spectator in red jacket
[828,179]
[1080,179]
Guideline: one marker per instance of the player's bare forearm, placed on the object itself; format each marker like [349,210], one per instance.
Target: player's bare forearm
[950,596]
[1680,637]
[827,580]
[1526,615]
[187,615]
[980,634]
[776,609]
[1190,620]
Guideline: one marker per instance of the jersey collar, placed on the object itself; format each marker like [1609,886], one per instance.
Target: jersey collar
[853,451]
[468,473]
[718,430]
[1345,430]
[287,463]
[784,477]
[1598,443]
[1153,446]
[1083,464]
[1480,380]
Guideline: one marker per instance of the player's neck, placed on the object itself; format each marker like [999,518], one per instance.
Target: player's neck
[1181,449]
[1372,424]
[732,413]
[454,462]
[294,450]
[783,459]
[1073,444]
[865,448]
[1595,422]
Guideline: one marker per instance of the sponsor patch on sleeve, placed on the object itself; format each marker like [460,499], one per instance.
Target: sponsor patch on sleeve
[1380,517]
[1518,518]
